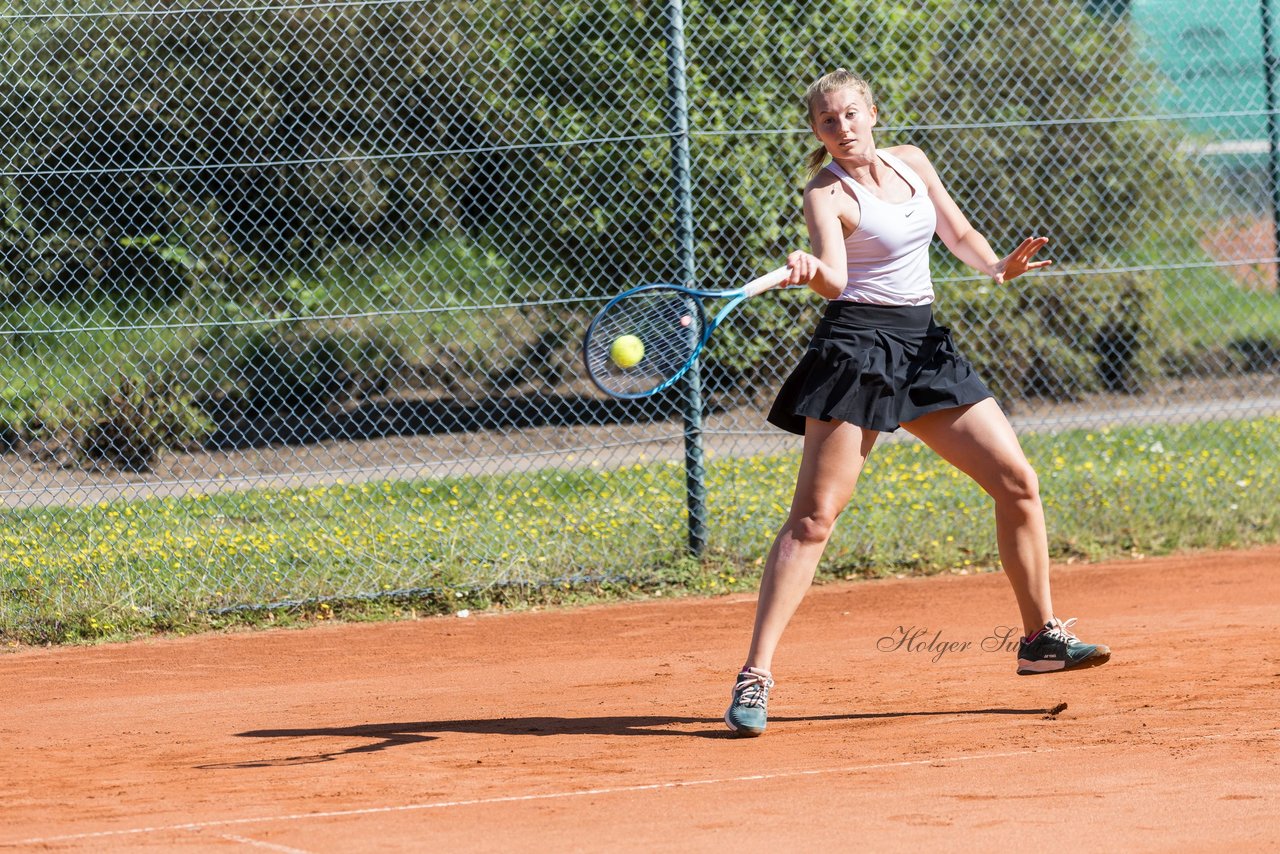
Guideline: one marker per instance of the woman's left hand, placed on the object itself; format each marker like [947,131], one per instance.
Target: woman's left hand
[1020,261]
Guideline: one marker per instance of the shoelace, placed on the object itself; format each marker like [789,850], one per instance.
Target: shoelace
[1062,628]
[753,689]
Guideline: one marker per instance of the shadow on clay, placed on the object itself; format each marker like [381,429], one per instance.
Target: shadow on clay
[385,736]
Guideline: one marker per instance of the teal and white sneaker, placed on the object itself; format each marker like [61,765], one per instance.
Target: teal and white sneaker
[748,712]
[1055,648]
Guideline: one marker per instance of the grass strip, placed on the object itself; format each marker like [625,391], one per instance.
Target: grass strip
[412,547]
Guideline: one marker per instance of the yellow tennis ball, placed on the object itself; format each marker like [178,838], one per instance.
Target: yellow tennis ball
[626,351]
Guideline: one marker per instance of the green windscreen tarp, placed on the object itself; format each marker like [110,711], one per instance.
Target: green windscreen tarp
[1211,53]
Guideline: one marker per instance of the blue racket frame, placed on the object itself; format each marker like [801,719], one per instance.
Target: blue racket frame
[736,297]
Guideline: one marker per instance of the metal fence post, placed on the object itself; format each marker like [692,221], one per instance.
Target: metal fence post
[1273,127]
[678,125]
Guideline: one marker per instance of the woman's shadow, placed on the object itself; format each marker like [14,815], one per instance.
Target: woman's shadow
[388,735]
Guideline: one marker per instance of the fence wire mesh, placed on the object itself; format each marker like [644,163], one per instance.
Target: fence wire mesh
[291,294]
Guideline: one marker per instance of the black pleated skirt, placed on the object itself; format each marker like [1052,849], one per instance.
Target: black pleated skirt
[877,367]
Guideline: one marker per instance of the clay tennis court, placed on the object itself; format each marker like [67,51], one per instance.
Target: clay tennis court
[599,728]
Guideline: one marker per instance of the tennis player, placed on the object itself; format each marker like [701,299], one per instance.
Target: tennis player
[877,362]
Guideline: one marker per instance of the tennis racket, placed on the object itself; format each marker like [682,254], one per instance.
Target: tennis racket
[647,338]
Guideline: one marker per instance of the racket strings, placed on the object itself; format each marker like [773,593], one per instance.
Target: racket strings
[670,326]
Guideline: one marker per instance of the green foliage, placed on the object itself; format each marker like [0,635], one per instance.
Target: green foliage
[293,372]
[117,115]
[151,269]
[288,372]
[126,427]
[1059,337]
[19,403]
[552,143]
[140,418]
[612,202]
[224,353]
[339,89]
[1096,187]
[1215,326]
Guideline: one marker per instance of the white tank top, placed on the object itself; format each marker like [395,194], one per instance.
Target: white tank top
[889,251]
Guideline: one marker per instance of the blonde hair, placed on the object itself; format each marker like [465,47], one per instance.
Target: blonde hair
[836,81]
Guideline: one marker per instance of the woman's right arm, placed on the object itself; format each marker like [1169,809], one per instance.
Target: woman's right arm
[824,268]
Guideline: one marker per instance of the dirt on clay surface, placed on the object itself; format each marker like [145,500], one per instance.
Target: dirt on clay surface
[599,729]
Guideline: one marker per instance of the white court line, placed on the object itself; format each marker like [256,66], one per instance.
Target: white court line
[508,799]
[258,843]
[615,790]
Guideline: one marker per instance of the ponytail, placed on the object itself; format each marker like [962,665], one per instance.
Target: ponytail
[814,162]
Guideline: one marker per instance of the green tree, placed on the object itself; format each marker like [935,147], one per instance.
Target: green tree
[1023,108]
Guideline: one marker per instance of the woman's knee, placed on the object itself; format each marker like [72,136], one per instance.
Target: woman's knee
[814,526]
[1017,484]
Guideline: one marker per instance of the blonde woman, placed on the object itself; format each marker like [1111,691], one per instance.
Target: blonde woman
[877,362]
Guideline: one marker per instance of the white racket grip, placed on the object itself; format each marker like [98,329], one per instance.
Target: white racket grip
[766,282]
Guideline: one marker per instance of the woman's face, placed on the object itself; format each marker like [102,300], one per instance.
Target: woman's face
[842,121]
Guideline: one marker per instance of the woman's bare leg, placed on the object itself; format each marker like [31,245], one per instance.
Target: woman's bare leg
[979,441]
[834,453]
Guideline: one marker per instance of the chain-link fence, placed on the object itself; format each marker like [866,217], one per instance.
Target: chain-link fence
[291,295]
